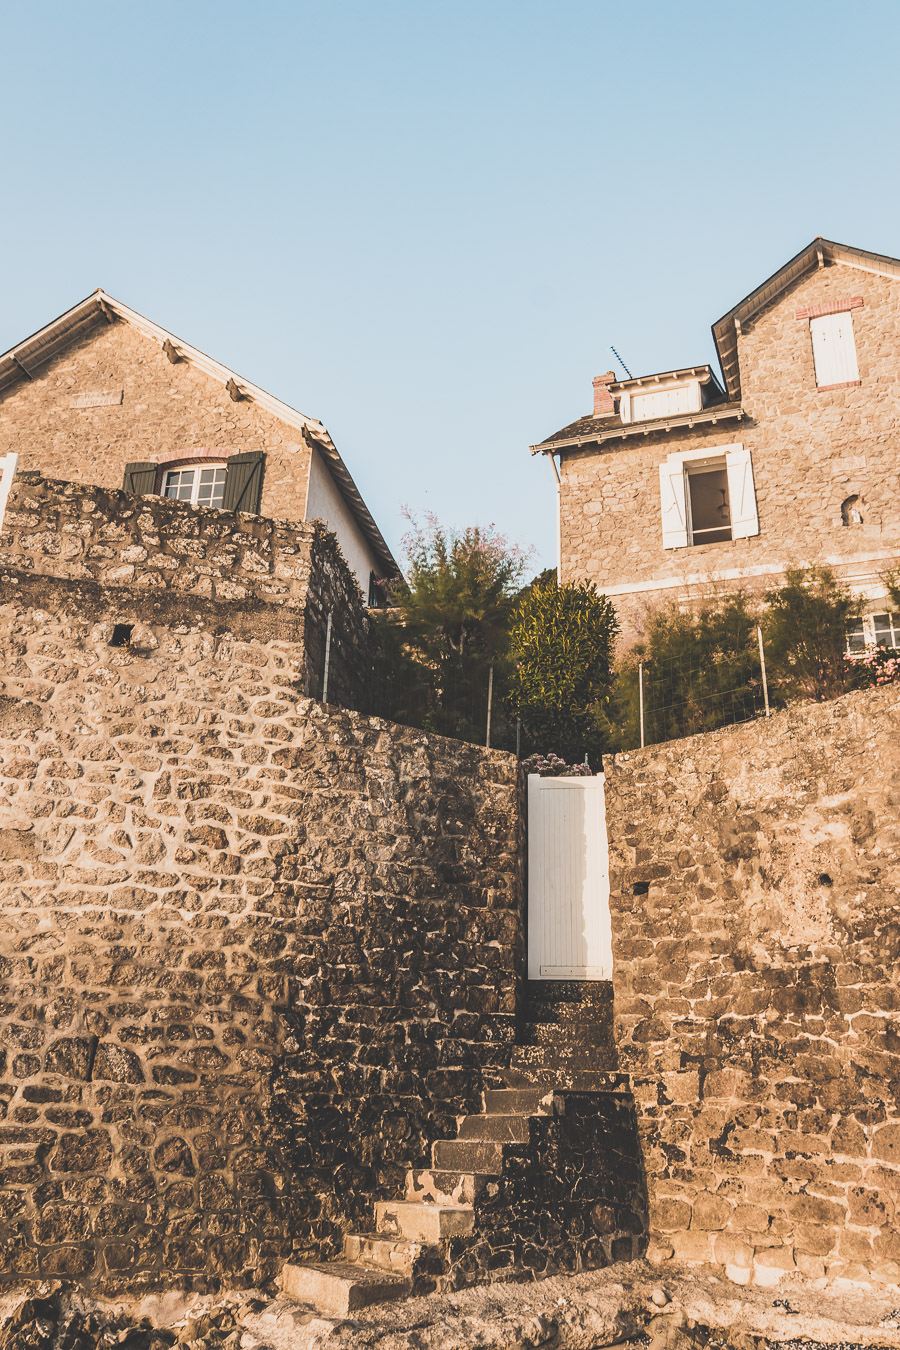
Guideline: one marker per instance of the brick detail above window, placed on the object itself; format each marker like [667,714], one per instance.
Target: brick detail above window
[196,452]
[832,307]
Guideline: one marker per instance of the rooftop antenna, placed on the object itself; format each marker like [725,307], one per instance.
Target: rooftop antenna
[621,363]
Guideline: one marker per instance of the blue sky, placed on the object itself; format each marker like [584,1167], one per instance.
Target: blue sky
[426,223]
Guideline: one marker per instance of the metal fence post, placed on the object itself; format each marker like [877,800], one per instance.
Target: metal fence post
[327,658]
[518,738]
[641,697]
[487,739]
[762,666]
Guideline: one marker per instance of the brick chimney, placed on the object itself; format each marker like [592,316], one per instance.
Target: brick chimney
[603,399]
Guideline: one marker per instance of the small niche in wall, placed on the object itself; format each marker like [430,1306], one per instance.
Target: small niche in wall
[851,512]
[121,635]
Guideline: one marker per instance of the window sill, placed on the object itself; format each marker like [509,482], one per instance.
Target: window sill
[848,384]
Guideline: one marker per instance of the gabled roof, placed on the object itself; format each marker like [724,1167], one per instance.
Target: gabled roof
[821,251]
[25,360]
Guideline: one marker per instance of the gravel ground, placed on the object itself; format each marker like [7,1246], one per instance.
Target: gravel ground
[632,1306]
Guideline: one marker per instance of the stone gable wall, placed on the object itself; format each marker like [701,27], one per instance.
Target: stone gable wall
[165,408]
[253,951]
[148,558]
[755,878]
[810,451]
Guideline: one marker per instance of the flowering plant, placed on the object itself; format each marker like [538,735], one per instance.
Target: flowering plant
[551,766]
[876,666]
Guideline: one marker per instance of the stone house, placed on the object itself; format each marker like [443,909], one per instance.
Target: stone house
[679,480]
[101,395]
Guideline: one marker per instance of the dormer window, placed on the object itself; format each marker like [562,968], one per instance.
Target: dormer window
[678,393]
[666,402]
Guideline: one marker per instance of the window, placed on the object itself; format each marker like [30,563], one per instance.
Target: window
[668,400]
[834,350]
[707,496]
[874,630]
[710,511]
[202,485]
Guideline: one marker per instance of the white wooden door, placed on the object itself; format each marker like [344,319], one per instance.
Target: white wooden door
[7,470]
[569,935]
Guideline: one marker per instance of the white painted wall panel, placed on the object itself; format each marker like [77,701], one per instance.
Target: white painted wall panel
[324,502]
[7,470]
[569,932]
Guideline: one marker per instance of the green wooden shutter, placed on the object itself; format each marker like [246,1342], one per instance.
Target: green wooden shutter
[140,477]
[243,482]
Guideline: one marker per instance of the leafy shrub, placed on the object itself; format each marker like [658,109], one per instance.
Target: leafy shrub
[561,644]
[701,671]
[806,626]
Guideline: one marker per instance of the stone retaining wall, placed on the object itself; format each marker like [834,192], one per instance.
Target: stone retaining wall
[756,931]
[146,559]
[252,949]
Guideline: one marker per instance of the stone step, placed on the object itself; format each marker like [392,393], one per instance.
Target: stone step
[576,1035]
[423,1222]
[550,1058]
[432,1186]
[560,1078]
[499,1129]
[340,1287]
[518,1102]
[385,1251]
[467,1155]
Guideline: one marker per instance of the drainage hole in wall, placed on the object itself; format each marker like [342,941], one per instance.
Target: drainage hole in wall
[121,635]
[640,888]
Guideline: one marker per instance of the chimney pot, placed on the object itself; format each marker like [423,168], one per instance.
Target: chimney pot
[603,399]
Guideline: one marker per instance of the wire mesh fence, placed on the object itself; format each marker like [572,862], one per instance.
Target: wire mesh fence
[682,696]
[468,700]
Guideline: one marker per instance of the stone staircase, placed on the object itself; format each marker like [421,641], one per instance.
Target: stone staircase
[498,1200]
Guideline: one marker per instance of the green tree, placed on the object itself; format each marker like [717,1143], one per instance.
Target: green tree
[806,634]
[561,645]
[451,625]
[700,671]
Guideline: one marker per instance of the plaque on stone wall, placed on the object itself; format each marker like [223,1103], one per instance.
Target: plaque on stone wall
[97,398]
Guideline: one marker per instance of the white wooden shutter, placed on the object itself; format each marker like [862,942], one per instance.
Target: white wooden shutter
[674,504]
[834,349]
[7,469]
[569,929]
[741,493]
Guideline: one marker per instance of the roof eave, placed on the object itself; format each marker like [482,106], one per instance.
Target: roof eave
[630,430]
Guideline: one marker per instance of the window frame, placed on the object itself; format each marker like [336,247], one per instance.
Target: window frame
[867,623]
[196,467]
[675,497]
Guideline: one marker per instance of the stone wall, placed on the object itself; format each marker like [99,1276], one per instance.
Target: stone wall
[755,877]
[252,949]
[810,450]
[139,560]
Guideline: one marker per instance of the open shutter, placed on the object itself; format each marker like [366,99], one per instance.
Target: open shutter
[140,477]
[243,482]
[741,493]
[674,507]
